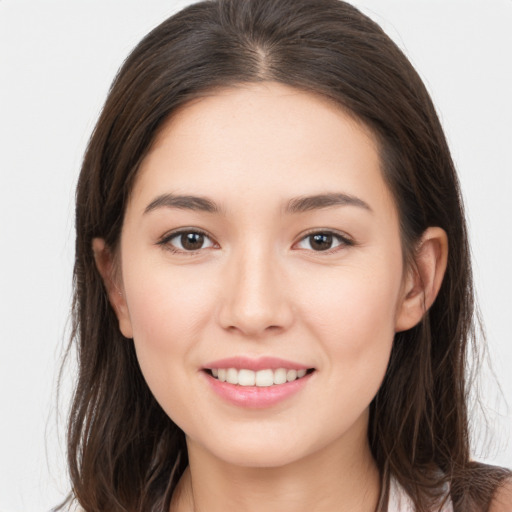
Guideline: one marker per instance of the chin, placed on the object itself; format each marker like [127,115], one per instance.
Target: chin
[261,458]
[267,451]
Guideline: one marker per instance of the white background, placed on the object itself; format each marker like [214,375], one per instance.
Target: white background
[57,59]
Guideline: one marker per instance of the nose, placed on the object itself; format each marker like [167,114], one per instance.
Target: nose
[255,299]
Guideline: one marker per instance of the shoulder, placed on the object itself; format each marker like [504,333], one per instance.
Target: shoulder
[502,499]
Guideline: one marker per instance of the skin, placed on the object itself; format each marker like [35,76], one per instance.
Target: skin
[502,501]
[258,288]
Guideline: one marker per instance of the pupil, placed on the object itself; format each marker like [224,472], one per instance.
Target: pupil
[192,241]
[321,242]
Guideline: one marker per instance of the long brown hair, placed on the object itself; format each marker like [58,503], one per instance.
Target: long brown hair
[124,452]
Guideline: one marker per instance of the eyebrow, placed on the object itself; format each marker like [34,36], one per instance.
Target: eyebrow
[183,202]
[318,201]
[294,205]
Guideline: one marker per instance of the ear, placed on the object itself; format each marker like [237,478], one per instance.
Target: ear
[424,278]
[106,265]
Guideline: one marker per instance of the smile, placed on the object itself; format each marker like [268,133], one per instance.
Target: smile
[261,378]
[256,383]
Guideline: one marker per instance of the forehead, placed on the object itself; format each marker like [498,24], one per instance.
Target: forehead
[266,138]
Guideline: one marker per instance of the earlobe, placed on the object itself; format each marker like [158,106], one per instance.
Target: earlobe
[105,263]
[424,278]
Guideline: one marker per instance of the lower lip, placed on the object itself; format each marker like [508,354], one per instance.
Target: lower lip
[256,397]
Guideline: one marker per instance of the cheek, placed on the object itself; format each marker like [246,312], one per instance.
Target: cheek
[168,312]
[353,316]
[353,300]
[166,307]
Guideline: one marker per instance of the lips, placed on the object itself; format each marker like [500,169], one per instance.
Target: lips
[256,383]
[260,363]
[260,378]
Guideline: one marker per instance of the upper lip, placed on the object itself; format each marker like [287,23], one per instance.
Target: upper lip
[255,364]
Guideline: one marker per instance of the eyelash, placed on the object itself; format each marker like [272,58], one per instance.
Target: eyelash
[343,240]
[166,239]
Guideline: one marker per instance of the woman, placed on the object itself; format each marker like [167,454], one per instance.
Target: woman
[273,297]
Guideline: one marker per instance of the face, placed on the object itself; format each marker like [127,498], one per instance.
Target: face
[261,245]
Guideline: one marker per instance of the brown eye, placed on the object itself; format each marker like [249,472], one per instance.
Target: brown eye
[187,241]
[323,241]
[320,241]
[192,241]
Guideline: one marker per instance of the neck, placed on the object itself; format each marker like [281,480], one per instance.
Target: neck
[342,476]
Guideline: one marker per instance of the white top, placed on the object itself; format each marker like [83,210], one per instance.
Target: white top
[399,500]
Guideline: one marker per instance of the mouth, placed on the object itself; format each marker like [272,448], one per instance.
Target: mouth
[268,377]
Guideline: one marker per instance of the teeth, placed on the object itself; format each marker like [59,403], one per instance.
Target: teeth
[232,376]
[261,378]
[280,376]
[291,375]
[264,378]
[245,377]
